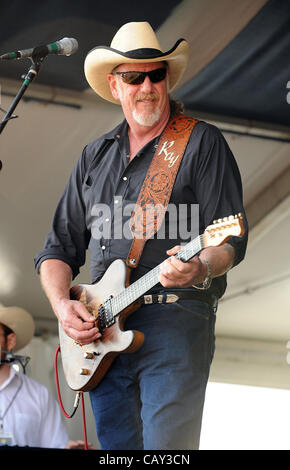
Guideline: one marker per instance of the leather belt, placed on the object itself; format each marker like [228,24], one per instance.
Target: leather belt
[174,296]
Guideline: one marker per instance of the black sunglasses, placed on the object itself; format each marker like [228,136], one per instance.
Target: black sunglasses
[136,78]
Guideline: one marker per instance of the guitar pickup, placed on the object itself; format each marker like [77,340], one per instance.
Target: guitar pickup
[105,315]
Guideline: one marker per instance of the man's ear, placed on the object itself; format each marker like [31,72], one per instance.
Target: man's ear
[113,85]
[11,341]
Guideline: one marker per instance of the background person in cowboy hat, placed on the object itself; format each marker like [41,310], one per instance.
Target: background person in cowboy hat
[29,415]
[152,399]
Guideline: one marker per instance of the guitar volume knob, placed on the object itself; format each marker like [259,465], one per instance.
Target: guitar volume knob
[85,371]
[88,355]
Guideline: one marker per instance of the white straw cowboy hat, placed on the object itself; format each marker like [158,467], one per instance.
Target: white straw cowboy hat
[133,43]
[20,322]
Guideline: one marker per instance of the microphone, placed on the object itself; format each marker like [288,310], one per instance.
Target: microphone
[11,357]
[65,46]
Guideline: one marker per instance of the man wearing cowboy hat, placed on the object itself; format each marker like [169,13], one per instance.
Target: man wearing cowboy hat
[29,415]
[152,399]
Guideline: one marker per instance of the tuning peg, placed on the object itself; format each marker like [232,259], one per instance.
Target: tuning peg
[231,217]
[225,219]
[220,220]
[215,222]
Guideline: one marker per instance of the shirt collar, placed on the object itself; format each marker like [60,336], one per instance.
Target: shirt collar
[12,374]
[120,134]
[117,132]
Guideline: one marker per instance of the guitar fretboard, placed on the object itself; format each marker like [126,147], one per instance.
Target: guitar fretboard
[142,285]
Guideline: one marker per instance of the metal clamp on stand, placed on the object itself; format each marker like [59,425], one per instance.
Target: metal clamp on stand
[65,46]
[31,74]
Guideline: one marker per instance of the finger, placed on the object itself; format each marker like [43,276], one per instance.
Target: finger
[173,250]
[175,273]
[74,319]
[190,268]
[82,311]
[84,337]
[166,282]
[75,327]
[173,269]
[179,265]
[164,267]
[167,270]
[79,324]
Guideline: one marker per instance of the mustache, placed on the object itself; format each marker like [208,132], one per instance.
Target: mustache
[146,97]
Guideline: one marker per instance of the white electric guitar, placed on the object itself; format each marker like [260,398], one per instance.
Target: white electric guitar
[111,301]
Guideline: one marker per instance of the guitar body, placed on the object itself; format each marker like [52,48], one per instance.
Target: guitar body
[85,366]
[112,300]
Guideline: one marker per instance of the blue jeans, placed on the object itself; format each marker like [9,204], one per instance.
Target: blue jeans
[153,398]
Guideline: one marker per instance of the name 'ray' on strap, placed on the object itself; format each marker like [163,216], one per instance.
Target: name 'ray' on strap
[156,190]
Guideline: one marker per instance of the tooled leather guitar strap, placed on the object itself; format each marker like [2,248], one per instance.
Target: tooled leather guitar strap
[156,190]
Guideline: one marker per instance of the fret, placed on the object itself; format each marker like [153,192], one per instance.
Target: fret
[149,280]
[191,249]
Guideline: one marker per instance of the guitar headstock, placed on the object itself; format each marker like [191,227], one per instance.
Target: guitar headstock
[222,229]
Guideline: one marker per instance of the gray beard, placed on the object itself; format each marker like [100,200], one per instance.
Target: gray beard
[147,120]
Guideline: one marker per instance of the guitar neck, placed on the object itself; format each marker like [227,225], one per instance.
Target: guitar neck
[145,283]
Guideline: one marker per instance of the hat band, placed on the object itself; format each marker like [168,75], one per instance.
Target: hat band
[144,53]
[141,53]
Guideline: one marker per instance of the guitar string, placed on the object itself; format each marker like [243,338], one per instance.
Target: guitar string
[143,284]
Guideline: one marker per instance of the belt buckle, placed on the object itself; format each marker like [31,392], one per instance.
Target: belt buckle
[160,299]
[170,298]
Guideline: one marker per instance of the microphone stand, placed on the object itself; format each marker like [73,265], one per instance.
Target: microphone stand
[32,73]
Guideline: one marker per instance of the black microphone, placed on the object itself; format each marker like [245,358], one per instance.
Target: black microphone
[65,46]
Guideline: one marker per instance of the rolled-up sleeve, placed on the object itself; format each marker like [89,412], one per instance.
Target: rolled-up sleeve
[219,187]
[68,237]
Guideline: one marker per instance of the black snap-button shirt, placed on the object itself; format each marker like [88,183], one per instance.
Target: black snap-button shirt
[95,207]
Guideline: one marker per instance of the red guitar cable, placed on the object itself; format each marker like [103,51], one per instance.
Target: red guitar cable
[76,403]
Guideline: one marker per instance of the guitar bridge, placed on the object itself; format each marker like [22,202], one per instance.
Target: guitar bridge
[106,316]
